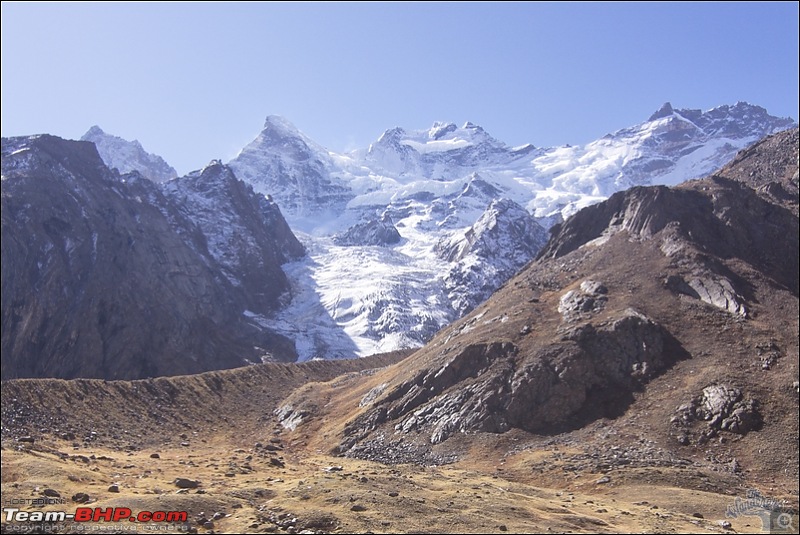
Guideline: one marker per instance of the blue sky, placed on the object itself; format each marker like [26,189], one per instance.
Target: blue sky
[194,82]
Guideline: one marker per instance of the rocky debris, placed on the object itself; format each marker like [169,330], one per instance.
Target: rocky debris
[770,167]
[373,232]
[492,387]
[208,523]
[185,483]
[113,488]
[768,354]
[274,461]
[398,451]
[603,480]
[81,497]
[601,458]
[26,439]
[723,408]
[317,522]
[155,456]
[311,522]
[51,493]
[590,297]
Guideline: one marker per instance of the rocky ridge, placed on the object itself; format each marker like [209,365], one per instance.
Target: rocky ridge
[104,275]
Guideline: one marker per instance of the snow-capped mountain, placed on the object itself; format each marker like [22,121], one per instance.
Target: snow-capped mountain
[417,229]
[126,156]
[410,233]
[444,152]
[295,171]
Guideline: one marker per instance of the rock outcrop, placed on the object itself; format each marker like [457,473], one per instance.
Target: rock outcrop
[722,408]
[245,233]
[503,239]
[494,387]
[379,232]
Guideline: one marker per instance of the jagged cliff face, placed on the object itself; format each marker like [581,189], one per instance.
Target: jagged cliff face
[105,276]
[489,253]
[245,234]
[658,297]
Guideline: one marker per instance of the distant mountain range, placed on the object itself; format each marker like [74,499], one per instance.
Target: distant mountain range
[398,240]
[458,199]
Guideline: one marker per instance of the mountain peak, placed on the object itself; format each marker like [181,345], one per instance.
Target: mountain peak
[469,125]
[279,122]
[127,156]
[94,131]
[212,164]
[278,130]
[440,129]
[664,111]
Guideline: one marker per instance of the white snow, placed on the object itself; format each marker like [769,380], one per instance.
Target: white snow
[437,145]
